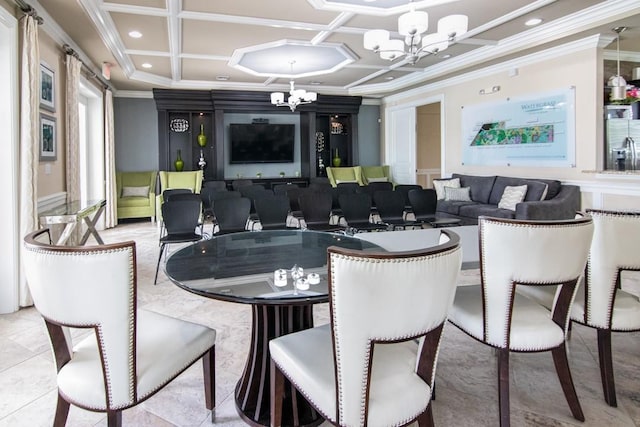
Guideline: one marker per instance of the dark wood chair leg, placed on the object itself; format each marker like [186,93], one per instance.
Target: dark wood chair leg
[503,387]
[606,366]
[155,280]
[277,394]
[62,412]
[564,375]
[209,374]
[114,418]
[426,418]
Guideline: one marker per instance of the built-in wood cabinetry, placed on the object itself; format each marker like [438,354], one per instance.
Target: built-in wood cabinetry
[333,117]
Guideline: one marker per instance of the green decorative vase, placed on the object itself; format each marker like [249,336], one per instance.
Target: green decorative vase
[337,161]
[202,138]
[179,163]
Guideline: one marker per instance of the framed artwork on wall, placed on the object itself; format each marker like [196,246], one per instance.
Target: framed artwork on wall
[48,144]
[47,88]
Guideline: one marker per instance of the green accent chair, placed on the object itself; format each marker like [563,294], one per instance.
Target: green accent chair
[345,174]
[376,174]
[170,180]
[136,194]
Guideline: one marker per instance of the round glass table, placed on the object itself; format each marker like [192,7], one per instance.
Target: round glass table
[239,267]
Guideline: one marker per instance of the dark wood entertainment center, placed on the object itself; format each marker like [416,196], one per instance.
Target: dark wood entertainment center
[332,119]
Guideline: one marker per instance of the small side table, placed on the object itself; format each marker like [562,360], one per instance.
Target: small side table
[445,222]
[70,214]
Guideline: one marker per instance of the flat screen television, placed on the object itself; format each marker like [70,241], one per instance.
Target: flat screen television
[262,143]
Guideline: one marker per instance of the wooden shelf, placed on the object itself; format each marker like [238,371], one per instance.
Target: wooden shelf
[209,108]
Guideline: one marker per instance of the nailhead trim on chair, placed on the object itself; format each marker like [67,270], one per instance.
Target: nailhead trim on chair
[586,321]
[506,334]
[98,332]
[363,403]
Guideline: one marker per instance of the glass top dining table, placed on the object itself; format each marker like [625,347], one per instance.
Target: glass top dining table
[239,267]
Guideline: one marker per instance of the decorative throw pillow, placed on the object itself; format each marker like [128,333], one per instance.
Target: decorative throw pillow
[440,184]
[457,194]
[383,179]
[512,196]
[135,191]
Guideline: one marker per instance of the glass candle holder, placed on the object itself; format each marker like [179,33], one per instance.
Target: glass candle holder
[313,278]
[280,277]
[302,284]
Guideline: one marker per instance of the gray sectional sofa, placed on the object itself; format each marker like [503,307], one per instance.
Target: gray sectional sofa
[544,199]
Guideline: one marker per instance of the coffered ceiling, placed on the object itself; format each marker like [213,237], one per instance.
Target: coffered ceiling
[261,45]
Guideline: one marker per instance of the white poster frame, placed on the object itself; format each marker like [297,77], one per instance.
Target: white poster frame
[550,114]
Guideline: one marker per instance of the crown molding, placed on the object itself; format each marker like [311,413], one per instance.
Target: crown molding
[107,30]
[141,94]
[596,15]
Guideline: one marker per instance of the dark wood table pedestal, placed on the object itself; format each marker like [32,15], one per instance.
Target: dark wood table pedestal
[253,389]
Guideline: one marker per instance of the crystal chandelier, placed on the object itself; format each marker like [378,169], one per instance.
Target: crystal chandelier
[411,26]
[296,97]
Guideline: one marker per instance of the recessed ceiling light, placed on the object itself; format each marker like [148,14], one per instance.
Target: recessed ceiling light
[135,34]
[369,1]
[389,78]
[222,78]
[447,56]
[532,22]
[146,65]
[315,83]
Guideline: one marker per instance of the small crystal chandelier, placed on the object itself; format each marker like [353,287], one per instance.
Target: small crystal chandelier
[296,96]
[412,25]
[617,83]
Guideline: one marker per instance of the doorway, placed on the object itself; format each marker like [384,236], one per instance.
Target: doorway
[414,141]
[428,144]
[91,154]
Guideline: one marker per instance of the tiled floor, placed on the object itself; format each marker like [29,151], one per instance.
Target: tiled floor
[466,374]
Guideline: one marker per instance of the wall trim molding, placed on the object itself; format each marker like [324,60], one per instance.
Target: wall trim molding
[146,94]
[613,185]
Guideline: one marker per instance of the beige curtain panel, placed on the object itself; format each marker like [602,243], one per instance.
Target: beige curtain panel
[73,128]
[111,215]
[29,139]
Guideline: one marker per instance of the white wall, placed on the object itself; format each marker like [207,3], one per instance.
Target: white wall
[577,64]
[573,65]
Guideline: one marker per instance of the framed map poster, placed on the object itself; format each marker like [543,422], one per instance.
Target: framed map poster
[536,130]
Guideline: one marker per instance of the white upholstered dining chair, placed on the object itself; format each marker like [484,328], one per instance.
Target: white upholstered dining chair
[130,354]
[602,302]
[374,364]
[517,254]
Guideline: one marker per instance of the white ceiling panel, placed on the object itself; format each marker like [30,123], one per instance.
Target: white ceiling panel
[191,43]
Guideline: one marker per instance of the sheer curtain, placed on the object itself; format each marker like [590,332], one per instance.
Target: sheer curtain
[29,137]
[73,128]
[111,217]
